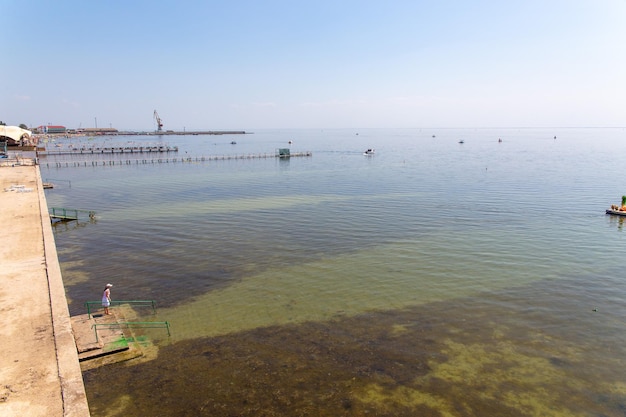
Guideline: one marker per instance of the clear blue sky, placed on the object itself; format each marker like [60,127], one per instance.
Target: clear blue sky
[313,64]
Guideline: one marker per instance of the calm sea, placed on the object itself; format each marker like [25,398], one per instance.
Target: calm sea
[434,278]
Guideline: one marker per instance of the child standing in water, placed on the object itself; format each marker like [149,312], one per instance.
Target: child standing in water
[106,298]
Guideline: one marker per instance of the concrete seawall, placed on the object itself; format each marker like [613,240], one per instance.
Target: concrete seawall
[39,369]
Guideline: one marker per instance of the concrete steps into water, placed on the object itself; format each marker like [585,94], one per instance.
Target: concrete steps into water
[100,342]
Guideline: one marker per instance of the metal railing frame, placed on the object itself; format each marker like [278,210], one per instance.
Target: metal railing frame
[138,324]
[88,304]
[62,213]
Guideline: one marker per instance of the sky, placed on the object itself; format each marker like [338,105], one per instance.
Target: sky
[266,64]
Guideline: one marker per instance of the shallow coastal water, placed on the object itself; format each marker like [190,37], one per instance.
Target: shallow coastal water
[433,278]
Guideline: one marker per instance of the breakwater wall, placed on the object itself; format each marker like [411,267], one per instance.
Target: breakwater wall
[103,132]
[199,132]
[41,375]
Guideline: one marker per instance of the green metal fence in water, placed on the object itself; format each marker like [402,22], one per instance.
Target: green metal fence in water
[69,214]
[134,324]
[138,303]
[128,324]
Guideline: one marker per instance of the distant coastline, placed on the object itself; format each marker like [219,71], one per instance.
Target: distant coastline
[115,132]
[37,137]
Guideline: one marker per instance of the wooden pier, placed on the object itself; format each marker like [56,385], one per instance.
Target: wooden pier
[108,150]
[200,159]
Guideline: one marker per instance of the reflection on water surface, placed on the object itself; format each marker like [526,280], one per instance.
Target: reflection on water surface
[431,279]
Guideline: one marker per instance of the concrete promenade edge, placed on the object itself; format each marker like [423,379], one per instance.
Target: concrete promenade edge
[40,373]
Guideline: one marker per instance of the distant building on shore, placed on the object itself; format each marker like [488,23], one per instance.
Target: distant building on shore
[51,129]
[97,131]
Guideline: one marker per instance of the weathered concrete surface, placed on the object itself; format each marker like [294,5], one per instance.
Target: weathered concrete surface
[113,344]
[39,369]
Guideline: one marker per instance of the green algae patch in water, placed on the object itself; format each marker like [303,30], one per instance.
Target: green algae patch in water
[479,378]
[117,344]
[501,354]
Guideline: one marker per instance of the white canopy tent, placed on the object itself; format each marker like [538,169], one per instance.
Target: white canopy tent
[14,133]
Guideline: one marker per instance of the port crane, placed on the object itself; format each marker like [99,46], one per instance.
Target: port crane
[158,121]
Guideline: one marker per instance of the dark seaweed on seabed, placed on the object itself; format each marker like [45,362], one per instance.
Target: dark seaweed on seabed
[499,354]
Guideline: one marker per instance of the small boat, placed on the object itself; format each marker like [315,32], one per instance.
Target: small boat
[48,185]
[461,141]
[616,212]
[233,143]
[369,152]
